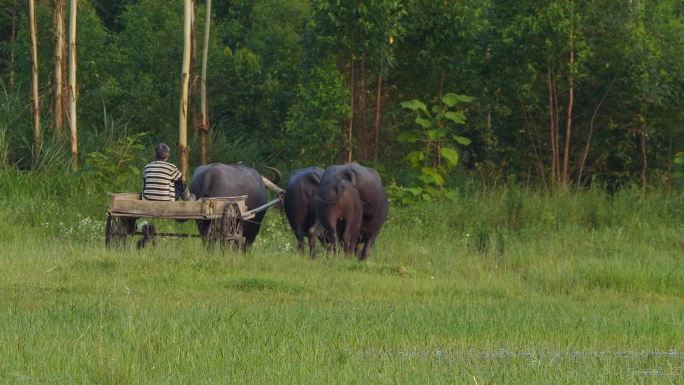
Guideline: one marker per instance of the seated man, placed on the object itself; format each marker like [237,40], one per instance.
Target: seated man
[161,180]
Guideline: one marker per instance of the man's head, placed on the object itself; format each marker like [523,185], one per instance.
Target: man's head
[162,152]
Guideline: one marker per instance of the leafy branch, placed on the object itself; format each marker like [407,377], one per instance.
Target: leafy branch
[435,139]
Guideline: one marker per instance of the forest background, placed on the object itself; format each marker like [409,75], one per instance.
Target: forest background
[562,92]
[546,135]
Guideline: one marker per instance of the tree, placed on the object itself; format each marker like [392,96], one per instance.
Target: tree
[362,37]
[110,11]
[58,16]
[8,35]
[35,94]
[185,84]
[204,117]
[73,89]
[312,133]
[144,90]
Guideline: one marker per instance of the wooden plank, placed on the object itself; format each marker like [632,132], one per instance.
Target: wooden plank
[131,205]
[151,209]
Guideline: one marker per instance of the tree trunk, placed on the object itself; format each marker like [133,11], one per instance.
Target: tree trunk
[441,84]
[591,132]
[568,124]
[553,127]
[194,93]
[644,154]
[350,126]
[13,36]
[204,123]
[670,156]
[73,90]
[378,114]
[185,80]
[532,133]
[363,111]
[35,95]
[58,15]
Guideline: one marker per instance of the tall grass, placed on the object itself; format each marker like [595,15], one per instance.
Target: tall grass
[10,113]
[501,287]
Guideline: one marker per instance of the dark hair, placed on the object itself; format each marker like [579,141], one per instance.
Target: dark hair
[162,151]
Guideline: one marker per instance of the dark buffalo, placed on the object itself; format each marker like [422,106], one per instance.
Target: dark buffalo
[224,180]
[339,214]
[373,199]
[299,202]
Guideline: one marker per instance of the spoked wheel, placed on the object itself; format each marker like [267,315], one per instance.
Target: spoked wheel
[116,230]
[211,233]
[231,227]
[226,230]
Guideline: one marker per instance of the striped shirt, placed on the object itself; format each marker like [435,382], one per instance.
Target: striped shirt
[158,177]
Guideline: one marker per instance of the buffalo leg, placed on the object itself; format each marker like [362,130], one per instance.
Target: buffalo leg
[300,240]
[350,236]
[366,248]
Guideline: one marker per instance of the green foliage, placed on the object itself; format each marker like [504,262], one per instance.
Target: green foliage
[10,114]
[679,158]
[279,82]
[54,155]
[234,149]
[434,141]
[312,129]
[117,164]
[255,69]
[678,175]
[145,59]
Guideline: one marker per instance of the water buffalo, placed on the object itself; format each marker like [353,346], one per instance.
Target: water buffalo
[223,180]
[339,214]
[299,202]
[373,199]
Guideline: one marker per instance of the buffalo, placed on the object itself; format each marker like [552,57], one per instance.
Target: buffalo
[224,180]
[374,202]
[299,201]
[339,213]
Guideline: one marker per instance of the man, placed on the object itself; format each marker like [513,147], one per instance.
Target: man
[161,180]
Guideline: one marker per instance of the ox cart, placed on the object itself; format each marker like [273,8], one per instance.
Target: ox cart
[224,215]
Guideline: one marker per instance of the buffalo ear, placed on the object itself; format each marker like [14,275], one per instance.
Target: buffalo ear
[315,178]
[351,176]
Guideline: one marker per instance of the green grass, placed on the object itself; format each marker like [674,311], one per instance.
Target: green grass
[503,287]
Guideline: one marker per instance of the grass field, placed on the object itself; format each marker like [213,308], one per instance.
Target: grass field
[502,287]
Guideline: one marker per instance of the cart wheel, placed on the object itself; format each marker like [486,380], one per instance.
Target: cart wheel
[116,230]
[231,227]
[211,233]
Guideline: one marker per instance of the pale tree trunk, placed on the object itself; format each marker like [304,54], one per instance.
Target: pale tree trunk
[204,123]
[73,89]
[35,95]
[185,85]
[59,67]
[565,179]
